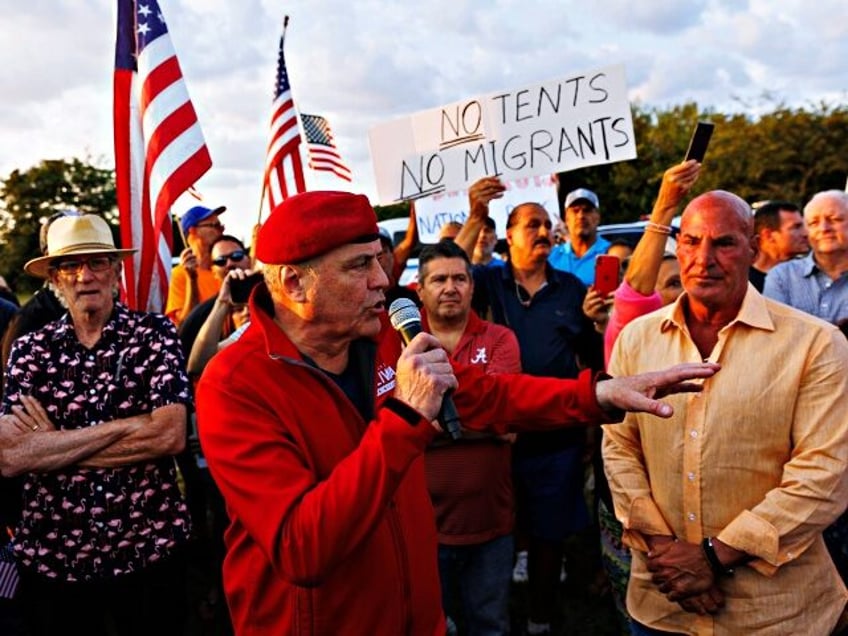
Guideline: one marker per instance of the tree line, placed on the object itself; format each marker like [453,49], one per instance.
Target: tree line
[785,153]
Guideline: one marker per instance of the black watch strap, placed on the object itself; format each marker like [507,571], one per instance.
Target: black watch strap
[718,568]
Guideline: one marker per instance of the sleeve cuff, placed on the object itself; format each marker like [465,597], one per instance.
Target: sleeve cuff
[644,518]
[404,411]
[756,536]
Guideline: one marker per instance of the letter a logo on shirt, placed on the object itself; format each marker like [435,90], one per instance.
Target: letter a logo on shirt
[480,357]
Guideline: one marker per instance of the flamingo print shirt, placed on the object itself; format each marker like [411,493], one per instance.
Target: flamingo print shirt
[81,524]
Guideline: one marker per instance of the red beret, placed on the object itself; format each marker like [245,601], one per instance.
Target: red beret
[313,223]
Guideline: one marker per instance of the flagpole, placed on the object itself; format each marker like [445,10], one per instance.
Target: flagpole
[264,180]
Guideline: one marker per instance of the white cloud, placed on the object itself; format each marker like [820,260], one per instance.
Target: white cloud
[362,63]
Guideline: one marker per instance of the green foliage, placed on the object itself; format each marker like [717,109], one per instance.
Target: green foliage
[28,197]
[392,211]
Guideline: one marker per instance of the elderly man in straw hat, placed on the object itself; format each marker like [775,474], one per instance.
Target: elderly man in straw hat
[94,410]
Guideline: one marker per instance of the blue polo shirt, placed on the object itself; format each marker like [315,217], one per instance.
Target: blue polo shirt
[562,257]
[551,328]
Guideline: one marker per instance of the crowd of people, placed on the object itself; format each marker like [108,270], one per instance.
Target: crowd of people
[274,428]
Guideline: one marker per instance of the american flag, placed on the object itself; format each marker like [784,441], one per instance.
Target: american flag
[9,577]
[323,154]
[159,147]
[283,166]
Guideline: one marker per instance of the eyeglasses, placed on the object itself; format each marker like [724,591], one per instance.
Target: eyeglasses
[95,264]
[217,225]
[232,256]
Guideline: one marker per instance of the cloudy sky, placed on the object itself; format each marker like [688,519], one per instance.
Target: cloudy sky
[362,63]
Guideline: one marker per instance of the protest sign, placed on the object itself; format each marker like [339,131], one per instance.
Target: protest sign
[438,210]
[553,126]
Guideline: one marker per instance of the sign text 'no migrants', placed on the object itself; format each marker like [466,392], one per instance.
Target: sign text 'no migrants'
[554,126]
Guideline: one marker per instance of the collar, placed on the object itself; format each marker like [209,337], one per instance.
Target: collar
[474,326]
[507,276]
[754,312]
[808,265]
[115,326]
[600,246]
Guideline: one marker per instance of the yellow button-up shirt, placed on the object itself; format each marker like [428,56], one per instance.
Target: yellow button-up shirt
[758,460]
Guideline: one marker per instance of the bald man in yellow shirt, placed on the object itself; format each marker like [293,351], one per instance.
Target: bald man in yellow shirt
[724,504]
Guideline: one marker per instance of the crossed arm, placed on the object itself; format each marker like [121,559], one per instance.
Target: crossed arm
[30,442]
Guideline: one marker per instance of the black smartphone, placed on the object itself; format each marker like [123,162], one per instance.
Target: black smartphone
[700,140]
[240,288]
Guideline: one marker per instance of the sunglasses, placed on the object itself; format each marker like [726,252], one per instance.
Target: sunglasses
[232,256]
[217,225]
[95,264]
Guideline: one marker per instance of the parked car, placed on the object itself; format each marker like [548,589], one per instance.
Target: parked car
[632,232]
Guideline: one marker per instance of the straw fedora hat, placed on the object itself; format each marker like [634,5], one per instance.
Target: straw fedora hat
[75,236]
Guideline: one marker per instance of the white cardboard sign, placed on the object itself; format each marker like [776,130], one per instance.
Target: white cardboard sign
[436,211]
[553,126]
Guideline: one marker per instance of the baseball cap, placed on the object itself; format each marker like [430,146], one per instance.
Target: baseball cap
[195,215]
[582,194]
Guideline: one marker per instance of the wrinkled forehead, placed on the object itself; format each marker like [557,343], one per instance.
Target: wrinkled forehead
[824,205]
[529,212]
[350,252]
[445,266]
[716,213]
[224,247]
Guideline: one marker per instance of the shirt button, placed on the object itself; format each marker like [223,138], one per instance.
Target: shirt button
[693,434]
[92,391]
[100,489]
[691,516]
[691,476]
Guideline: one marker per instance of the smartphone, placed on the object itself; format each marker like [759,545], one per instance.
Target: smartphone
[700,140]
[606,274]
[240,288]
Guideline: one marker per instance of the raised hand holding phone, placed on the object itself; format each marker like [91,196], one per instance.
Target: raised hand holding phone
[700,141]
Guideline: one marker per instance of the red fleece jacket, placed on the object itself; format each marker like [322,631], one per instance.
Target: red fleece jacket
[331,527]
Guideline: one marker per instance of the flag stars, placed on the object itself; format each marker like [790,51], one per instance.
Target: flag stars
[143,29]
[143,10]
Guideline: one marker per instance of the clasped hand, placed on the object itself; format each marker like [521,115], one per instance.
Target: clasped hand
[681,571]
[27,417]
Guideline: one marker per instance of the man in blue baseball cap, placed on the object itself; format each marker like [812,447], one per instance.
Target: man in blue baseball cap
[192,281]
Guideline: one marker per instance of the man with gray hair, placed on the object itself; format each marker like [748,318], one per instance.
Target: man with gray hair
[724,508]
[817,283]
[315,423]
[93,413]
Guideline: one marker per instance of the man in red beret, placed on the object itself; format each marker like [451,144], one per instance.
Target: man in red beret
[314,425]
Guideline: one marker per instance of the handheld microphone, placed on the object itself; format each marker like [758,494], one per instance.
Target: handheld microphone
[406,319]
